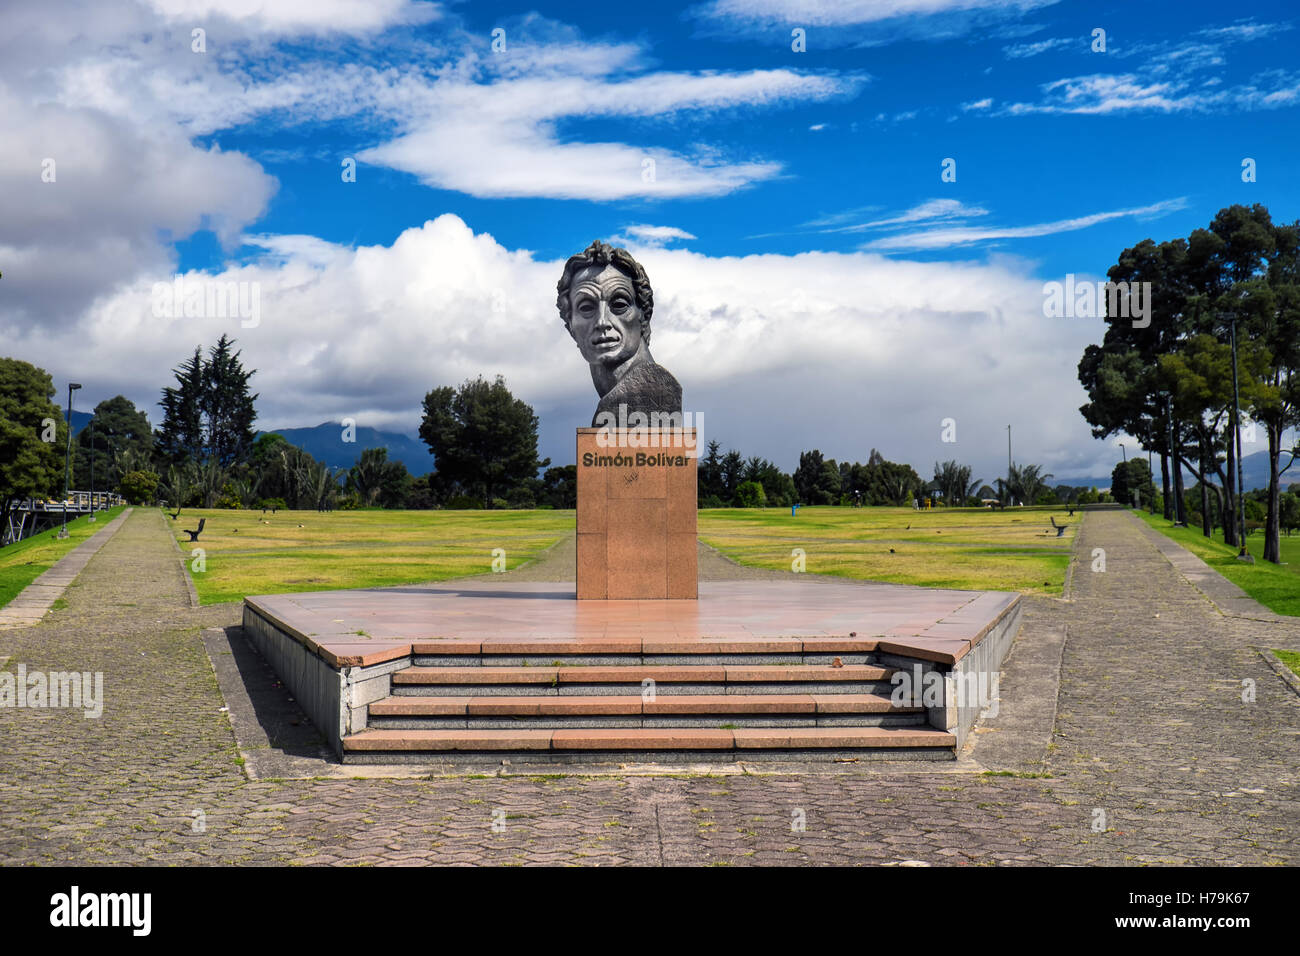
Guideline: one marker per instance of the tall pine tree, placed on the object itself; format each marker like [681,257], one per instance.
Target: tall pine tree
[209,415]
[228,412]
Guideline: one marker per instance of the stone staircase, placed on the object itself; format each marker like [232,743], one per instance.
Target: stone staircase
[588,700]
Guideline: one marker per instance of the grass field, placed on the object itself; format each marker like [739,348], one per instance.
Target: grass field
[1291,659]
[248,553]
[1013,550]
[1276,586]
[24,562]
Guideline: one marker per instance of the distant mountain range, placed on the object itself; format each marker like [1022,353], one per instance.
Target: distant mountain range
[324,442]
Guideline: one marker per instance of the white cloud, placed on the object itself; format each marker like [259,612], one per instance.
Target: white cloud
[499,139]
[824,13]
[948,237]
[647,235]
[301,16]
[781,353]
[933,209]
[1168,77]
[1022,51]
[1101,94]
[117,186]
[978,104]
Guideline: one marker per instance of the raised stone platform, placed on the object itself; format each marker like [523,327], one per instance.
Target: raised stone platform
[765,668]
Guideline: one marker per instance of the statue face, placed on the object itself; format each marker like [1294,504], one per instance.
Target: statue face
[604,319]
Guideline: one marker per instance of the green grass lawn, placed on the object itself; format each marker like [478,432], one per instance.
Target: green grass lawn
[23,562]
[1276,586]
[247,553]
[1013,550]
[1291,659]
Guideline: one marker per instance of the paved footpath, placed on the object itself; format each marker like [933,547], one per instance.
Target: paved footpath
[1148,755]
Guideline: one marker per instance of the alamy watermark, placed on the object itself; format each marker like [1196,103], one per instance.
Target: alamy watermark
[1072,299]
[650,430]
[65,690]
[208,299]
[927,688]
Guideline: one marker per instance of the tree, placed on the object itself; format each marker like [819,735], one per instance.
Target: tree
[138,487]
[749,494]
[955,482]
[560,487]
[709,473]
[376,479]
[482,437]
[1026,482]
[118,434]
[1242,272]
[816,480]
[180,436]
[209,415]
[228,408]
[32,436]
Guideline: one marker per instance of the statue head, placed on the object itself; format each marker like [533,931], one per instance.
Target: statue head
[605,301]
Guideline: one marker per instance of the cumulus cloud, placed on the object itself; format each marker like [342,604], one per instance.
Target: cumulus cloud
[855,349]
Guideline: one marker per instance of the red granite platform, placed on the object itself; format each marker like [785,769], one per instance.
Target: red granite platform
[366,627]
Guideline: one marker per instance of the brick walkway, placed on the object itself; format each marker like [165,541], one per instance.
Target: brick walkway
[1154,756]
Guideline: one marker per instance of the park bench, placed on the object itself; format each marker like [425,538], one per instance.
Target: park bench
[194,535]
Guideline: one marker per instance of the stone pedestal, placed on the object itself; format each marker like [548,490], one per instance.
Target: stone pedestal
[636,515]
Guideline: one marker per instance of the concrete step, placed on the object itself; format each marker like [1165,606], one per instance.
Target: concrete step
[736,743]
[636,673]
[629,679]
[683,704]
[637,646]
[740,710]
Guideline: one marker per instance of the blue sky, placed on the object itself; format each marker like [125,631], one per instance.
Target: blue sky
[876,148]
[819,285]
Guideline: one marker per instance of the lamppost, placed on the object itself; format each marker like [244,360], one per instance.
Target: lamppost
[91,425]
[1175,465]
[1008,490]
[1151,473]
[67,461]
[1243,554]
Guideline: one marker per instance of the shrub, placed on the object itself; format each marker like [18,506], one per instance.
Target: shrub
[137,487]
[750,494]
[229,498]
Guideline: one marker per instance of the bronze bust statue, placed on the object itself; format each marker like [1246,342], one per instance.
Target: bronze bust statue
[605,302]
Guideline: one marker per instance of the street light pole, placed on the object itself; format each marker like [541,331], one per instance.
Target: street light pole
[67,462]
[1151,473]
[1008,463]
[1174,464]
[1243,554]
[91,426]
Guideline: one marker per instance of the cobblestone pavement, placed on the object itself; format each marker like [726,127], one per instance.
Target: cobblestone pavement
[1156,757]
